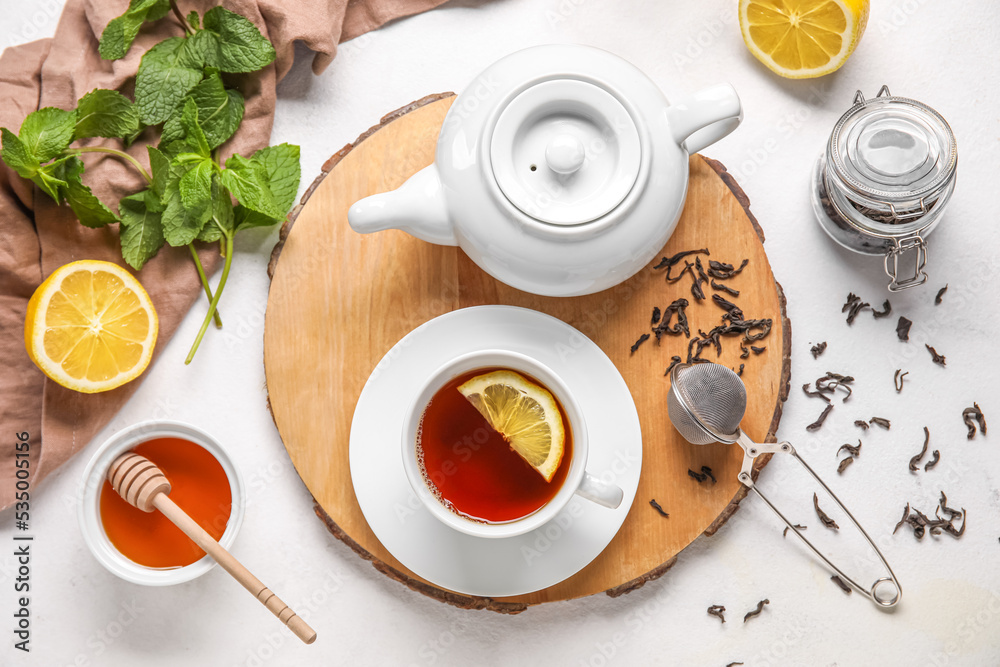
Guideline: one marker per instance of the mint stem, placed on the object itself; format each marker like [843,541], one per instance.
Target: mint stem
[215,299]
[116,153]
[204,283]
[180,17]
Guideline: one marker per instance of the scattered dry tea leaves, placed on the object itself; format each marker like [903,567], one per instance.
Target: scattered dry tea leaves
[880,421]
[819,421]
[906,515]
[935,357]
[656,316]
[818,349]
[700,476]
[969,414]
[642,339]
[816,394]
[935,457]
[718,611]
[853,450]
[937,297]
[827,521]
[840,582]
[798,526]
[916,459]
[674,360]
[903,328]
[755,612]
[885,312]
[843,465]
[656,506]
[897,379]
[861,423]
[921,523]
[719,287]
[854,306]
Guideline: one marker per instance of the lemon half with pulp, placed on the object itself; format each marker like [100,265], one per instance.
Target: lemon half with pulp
[91,326]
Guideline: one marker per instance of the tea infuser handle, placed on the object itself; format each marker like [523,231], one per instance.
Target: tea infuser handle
[753,450]
[699,120]
[901,246]
[594,490]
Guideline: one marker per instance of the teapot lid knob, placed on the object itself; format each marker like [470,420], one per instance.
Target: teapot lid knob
[565,154]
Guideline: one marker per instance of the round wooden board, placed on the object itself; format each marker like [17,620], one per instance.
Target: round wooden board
[339,300]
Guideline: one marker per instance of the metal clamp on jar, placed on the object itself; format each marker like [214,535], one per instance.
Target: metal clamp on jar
[882,184]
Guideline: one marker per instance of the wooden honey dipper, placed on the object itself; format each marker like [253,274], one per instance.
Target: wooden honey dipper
[143,485]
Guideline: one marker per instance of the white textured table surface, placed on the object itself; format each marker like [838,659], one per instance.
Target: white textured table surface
[940,53]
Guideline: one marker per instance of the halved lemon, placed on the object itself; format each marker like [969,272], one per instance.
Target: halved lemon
[802,39]
[91,326]
[524,413]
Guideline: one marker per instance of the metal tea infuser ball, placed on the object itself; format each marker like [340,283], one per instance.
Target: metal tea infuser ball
[706,404]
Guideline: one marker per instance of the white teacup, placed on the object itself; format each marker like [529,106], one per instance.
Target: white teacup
[578,481]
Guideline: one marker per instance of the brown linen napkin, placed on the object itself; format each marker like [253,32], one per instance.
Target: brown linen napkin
[37,237]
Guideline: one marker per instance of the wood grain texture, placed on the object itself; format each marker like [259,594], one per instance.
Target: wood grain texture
[338,301]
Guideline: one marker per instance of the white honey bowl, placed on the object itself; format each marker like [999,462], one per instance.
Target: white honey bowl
[90,511]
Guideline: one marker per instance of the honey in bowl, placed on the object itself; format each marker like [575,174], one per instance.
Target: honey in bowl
[199,486]
[472,469]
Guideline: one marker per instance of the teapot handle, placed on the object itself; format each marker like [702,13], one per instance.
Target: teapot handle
[699,120]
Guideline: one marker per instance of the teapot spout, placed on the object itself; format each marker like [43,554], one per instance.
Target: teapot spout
[416,207]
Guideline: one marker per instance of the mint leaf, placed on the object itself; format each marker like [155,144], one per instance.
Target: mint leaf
[181,225]
[167,72]
[281,163]
[16,155]
[51,185]
[141,228]
[222,215]
[119,34]
[193,20]
[47,132]
[220,111]
[196,187]
[89,210]
[241,46]
[183,134]
[206,46]
[159,166]
[105,113]
[248,183]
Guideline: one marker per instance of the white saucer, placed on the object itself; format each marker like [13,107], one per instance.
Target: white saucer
[480,566]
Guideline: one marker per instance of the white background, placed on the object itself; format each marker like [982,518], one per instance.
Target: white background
[941,53]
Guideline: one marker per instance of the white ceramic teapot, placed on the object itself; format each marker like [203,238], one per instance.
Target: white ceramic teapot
[561,170]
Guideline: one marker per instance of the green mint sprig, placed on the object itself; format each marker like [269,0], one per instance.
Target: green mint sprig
[180,85]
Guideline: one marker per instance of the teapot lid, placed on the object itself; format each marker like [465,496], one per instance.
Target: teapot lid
[565,151]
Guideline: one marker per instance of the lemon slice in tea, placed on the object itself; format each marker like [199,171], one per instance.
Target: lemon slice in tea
[524,413]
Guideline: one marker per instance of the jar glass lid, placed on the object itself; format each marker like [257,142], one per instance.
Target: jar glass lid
[565,152]
[893,150]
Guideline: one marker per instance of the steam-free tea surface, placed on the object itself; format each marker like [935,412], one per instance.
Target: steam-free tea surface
[339,301]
